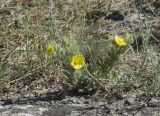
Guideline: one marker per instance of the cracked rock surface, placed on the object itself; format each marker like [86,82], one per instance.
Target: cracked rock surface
[70,105]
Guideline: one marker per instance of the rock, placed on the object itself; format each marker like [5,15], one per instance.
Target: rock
[29,95]
[21,110]
[41,109]
[153,103]
[135,17]
[126,102]
[8,102]
[131,99]
[23,107]
[1,107]
[138,113]
[59,111]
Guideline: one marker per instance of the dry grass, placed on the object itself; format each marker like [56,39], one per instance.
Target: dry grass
[26,26]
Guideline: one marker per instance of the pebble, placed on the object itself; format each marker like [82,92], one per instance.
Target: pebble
[153,102]
[131,99]
[1,107]
[136,17]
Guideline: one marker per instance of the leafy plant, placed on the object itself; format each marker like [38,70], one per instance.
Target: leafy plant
[80,75]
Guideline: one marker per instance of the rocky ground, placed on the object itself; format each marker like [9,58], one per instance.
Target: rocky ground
[60,103]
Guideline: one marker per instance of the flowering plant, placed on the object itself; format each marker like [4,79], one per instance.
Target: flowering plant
[78,61]
[79,75]
[116,46]
[50,49]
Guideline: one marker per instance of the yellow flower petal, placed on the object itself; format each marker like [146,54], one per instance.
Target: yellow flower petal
[78,61]
[120,41]
[50,48]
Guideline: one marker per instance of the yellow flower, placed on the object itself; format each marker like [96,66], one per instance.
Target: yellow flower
[120,41]
[50,48]
[78,61]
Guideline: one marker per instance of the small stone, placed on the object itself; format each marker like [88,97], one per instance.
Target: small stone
[126,102]
[141,93]
[139,113]
[86,102]
[29,95]
[8,102]
[41,110]
[124,96]
[24,114]
[23,107]
[153,102]
[131,99]
[1,107]
[136,17]
[126,114]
